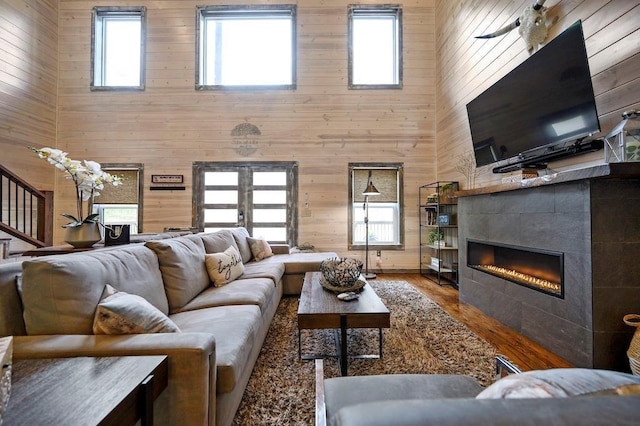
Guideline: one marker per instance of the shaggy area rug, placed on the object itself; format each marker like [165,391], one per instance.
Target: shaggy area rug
[422,339]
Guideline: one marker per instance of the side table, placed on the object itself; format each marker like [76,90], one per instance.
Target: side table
[83,391]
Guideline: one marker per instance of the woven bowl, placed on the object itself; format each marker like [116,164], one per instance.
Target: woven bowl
[341,274]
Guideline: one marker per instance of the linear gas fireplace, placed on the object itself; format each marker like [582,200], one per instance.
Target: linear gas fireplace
[541,270]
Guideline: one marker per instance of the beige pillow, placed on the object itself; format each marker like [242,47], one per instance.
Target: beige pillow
[123,313]
[224,267]
[562,383]
[260,248]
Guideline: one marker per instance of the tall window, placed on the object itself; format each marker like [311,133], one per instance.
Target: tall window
[118,48]
[260,196]
[386,215]
[246,47]
[375,47]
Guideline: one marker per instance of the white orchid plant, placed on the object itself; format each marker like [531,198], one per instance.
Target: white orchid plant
[87,176]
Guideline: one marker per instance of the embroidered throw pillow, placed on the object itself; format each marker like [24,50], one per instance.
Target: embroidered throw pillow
[224,267]
[123,313]
[260,248]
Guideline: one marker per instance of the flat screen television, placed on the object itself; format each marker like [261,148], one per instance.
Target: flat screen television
[542,109]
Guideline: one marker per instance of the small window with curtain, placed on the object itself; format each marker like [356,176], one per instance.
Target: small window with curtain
[122,204]
[118,48]
[384,210]
[375,46]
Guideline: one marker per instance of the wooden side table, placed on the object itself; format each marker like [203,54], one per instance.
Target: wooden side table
[83,391]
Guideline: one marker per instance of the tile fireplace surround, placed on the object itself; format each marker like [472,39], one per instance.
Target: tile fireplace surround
[592,216]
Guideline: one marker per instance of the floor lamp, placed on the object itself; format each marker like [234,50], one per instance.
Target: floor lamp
[370,190]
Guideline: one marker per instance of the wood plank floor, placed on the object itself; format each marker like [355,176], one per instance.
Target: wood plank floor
[523,352]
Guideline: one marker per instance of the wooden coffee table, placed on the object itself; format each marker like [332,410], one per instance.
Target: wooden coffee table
[321,309]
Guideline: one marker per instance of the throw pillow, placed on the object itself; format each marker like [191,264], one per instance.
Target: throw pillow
[224,267]
[260,248]
[123,313]
[561,383]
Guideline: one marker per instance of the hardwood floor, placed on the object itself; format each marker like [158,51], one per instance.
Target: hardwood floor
[523,352]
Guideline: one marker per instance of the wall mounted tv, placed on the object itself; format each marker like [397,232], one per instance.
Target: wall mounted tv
[544,109]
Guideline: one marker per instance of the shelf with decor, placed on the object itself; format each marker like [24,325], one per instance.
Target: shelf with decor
[439,232]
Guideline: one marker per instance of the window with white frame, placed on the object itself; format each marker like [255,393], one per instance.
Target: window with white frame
[118,48]
[385,213]
[246,47]
[375,46]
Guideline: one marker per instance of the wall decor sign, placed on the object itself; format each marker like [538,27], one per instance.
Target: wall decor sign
[167,178]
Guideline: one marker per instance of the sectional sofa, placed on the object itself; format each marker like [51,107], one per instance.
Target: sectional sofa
[49,304]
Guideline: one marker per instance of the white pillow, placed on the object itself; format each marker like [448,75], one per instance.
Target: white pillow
[260,248]
[562,383]
[224,267]
[123,313]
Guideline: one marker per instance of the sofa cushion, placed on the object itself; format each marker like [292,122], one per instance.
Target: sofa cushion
[260,248]
[300,263]
[562,382]
[123,313]
[271,270]
[235,329]
[255,291]
[219,241]
[60,293]
[224,267]
[182,265]
[240,234]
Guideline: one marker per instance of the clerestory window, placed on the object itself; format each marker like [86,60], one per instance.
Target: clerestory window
[118,48]
[246,47]
[375,46]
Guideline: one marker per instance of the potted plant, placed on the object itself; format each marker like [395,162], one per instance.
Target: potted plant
[88,178]
[436,238]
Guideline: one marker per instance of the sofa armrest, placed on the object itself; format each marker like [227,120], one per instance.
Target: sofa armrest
[280,248]
[192,371]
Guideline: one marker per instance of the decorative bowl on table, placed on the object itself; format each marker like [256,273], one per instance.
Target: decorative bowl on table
[341,274]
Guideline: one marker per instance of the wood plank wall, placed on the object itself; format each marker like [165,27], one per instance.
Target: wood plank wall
[28,86]
[467,66]
[321,125]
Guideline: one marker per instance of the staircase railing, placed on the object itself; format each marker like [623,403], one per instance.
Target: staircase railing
[26,213]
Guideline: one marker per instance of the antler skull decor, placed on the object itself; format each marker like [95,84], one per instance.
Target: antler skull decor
[532,26]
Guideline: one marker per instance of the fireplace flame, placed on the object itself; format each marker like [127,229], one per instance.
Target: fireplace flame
[525,279]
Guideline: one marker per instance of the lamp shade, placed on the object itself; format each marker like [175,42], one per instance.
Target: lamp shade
[370,190]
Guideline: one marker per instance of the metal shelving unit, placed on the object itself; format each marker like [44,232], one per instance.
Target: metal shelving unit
[439,232]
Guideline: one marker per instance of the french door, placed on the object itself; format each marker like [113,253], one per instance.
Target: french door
[261,196]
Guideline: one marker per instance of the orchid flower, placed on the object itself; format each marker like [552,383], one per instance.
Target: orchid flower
[88,178]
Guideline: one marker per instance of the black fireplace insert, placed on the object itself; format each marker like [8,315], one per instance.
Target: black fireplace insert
[541,270]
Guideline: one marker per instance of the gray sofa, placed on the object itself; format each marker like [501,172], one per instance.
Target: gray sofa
[48,305]
[434,399]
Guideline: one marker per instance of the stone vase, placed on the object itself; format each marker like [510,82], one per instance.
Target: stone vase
[83,236]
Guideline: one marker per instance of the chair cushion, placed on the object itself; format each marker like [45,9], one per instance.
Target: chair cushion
[346,391]
[224,267]
[123,313]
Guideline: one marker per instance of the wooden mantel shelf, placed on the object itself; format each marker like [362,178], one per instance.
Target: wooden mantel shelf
[629,170]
